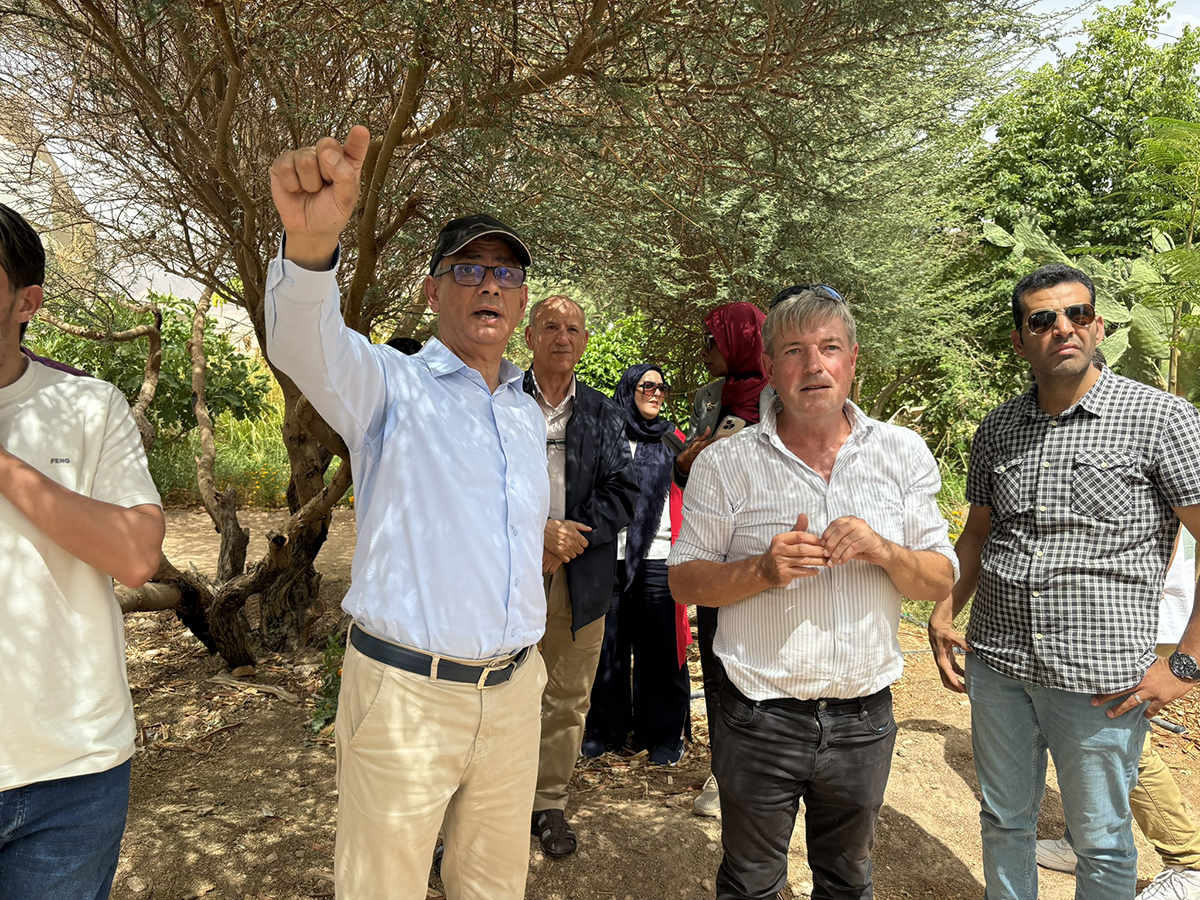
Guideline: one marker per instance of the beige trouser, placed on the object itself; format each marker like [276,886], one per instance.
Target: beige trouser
[416,755]
[570,671]
[1160,810]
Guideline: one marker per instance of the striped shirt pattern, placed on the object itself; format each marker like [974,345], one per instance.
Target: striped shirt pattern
[832,635]
[1082,528]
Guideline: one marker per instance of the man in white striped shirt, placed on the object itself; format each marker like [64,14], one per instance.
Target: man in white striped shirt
[807,529]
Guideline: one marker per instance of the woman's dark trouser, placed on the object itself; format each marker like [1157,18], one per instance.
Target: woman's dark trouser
[836,755]
[641,625]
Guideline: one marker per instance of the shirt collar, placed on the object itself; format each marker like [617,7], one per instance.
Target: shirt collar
[861,425]
[541,398]
[1097,401]
[441,360]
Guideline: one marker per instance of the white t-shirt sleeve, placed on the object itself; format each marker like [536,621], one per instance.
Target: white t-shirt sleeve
[122,477]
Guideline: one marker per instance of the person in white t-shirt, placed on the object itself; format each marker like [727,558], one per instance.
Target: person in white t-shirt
[77,509]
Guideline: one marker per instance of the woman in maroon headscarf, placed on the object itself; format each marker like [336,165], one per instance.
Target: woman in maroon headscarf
[732,353]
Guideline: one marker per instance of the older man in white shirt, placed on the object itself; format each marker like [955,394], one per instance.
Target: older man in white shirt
[807,529]
[440,703]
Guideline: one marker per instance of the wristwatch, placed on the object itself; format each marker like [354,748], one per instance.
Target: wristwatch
[1182,666]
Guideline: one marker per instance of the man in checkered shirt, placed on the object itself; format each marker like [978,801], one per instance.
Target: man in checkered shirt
[1077,488]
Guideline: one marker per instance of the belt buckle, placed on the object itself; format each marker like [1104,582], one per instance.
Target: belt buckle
[491,667]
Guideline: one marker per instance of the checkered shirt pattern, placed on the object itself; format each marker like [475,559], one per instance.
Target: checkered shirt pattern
[1082,526]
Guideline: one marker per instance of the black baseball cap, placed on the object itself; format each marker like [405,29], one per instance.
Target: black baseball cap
[457,233]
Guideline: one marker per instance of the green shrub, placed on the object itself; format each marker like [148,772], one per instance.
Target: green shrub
[331,683]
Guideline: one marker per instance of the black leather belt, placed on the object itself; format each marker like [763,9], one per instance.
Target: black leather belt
[435,668]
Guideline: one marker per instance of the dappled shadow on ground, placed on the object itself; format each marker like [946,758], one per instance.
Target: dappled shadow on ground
[231,796]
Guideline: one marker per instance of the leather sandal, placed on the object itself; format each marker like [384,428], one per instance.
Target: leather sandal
[554,833]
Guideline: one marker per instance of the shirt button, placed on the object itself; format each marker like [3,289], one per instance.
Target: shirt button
[517,583]
[1046,464]
[1104,465]
[841,637]
[1037,593]
[1042,508]
[1002,468]
[1038,636]
[513,529]
[1054,423]
[1039,553]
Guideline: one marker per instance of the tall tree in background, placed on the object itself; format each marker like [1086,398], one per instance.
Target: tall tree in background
[1059,151]
[670,154]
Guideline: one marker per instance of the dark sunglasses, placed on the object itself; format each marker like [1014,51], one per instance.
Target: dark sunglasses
[471,274]
[823,291]
[708,340]
[650,388]
[1081,314]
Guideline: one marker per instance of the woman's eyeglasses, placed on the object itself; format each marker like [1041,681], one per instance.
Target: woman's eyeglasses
[650,388]
[1081,314]
[471,274]
[707,340]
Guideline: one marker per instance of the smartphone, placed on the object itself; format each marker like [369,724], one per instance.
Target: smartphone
[729,426]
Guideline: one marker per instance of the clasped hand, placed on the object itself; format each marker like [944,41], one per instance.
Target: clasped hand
[799,554]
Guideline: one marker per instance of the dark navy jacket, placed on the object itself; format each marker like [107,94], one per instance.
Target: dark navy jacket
[602,492]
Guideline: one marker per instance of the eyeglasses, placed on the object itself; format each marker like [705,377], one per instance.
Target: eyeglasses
[471,274]
[556,444]
[708,340]
[824,291]
[1081,314]
[650,388]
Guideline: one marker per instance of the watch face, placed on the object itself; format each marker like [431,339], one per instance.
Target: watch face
[1183,666]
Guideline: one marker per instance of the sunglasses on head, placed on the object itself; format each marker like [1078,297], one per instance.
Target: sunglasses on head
[649,388]
[1081,314]
[824,291]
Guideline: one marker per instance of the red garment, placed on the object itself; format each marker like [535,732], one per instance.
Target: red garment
[737,328]
[683,627]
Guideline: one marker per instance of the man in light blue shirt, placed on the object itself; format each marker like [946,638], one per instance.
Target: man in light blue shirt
[438,717]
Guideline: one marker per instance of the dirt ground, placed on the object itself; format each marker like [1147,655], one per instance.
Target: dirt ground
[233,794]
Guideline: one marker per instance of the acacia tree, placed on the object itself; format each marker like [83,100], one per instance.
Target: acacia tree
[677,150]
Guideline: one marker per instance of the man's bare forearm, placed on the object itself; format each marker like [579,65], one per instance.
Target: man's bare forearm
[923,575]
[124,543]
[701,582]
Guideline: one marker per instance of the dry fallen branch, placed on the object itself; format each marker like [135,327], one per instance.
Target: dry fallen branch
[281,693]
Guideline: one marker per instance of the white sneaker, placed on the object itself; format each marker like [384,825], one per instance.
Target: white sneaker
[1173,884]
[1056,855]
[708,801]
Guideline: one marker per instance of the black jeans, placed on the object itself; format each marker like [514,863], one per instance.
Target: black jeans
[836,755]
[655,689]
[710,667]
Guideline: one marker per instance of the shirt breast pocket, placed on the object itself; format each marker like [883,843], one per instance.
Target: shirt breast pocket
[1010,495]
[1102,484]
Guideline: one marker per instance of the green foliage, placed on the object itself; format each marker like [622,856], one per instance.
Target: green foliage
[325,711]
[1066,138]
[234,383]
[611,350]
